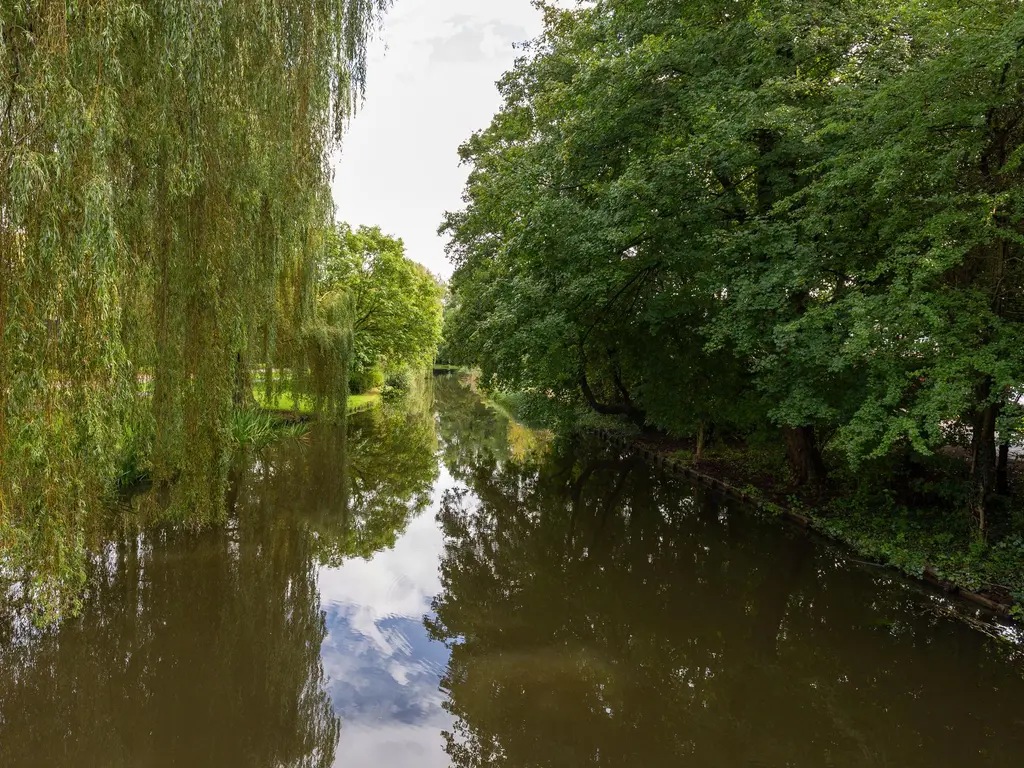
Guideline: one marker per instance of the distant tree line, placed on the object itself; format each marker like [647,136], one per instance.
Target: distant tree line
[397,304]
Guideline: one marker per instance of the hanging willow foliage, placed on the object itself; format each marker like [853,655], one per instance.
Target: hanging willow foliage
[163,180]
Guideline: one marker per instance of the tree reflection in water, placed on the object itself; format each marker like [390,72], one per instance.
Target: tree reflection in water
[595,614]
[202,647]
[598,614]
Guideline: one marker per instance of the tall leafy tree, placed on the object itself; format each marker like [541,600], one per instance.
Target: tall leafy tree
[785,213]
[634,142]
[930,240]
[163,180]
[397,302]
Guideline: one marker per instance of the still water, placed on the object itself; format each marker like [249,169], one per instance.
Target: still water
[443,587]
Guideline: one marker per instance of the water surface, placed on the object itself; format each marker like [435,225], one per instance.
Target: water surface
[440,587]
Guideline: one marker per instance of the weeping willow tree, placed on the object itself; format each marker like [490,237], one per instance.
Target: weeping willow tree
[163,183]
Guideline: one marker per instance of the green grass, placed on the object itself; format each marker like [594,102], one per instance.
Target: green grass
[286,402]
[257,429]
[359,402]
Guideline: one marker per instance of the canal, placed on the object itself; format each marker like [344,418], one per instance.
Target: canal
[438,585]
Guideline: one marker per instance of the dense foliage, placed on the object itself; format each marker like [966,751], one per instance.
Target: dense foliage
[164,201]
[398,303]
[796,216]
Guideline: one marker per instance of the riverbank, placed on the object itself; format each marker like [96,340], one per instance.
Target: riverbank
[443,369]
[925,544]
[917,529]
[285,403]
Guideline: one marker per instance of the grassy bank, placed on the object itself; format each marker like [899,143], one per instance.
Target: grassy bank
[285,402]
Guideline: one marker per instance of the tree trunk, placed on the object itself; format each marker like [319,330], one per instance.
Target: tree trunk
[1003,470]
[805,462]
[705,436]
[630,411]
[983,464]
[243,396]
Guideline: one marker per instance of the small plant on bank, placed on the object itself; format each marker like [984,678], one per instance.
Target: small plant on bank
[255,429]
[134,465]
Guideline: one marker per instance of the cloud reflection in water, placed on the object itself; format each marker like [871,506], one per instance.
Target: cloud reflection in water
[383,671]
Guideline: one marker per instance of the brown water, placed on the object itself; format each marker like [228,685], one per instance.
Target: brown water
[444,588]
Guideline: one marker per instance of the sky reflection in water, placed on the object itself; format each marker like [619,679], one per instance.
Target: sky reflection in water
[437,586]
[383,670]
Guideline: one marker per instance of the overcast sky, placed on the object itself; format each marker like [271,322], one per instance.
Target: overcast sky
[431,84]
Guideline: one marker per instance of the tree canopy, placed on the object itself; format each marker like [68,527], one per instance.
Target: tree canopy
[788,214]
[397,320]
[164,200]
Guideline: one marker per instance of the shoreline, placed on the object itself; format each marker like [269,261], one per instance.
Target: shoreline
[929,577]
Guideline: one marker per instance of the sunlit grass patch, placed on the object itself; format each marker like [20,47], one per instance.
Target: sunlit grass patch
[285,401]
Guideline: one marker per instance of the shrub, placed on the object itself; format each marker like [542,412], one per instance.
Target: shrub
[365,379]
[257,429]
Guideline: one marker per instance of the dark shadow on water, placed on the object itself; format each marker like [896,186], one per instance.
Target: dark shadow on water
[599,613]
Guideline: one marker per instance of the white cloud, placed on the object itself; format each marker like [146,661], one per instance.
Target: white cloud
[394,746]
[431,84]
[398,582]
